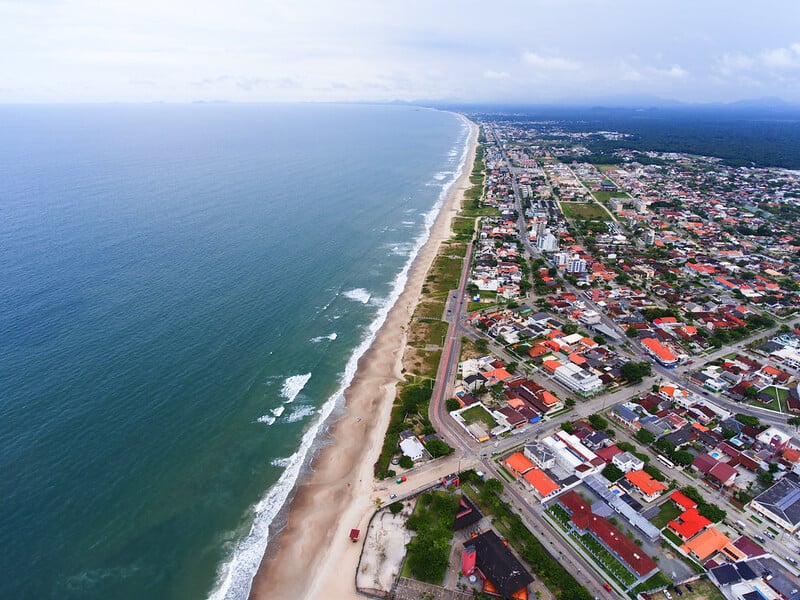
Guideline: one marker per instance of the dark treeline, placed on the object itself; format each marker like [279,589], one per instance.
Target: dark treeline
[741,135]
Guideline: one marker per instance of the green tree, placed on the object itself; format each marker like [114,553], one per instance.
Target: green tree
[645,436]
[632,332]
[395,507]
[748,419]
[597,421]
[452,404]
[612,472]
[493,486]
[569,328]
[406,462]
[634,372]
[712,512]
[766,478]
[438,448]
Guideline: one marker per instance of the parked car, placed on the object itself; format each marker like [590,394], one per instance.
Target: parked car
[791,560]
[668,595]
[678,590]
[689,587]
[769,535]
[606,586]
[392,496]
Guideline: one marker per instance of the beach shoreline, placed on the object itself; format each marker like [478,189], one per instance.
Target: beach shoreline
[311,556]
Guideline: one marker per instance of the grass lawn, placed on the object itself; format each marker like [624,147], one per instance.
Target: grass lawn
[669,511]
[606,196]
[777,393]
[584,210]
[604,168]
[703,590]
[769,405]
[476,414]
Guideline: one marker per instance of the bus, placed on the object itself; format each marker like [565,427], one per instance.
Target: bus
[664,461]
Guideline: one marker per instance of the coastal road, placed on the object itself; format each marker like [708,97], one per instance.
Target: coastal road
[448,363]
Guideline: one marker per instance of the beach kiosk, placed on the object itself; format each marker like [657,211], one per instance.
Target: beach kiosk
[354,533]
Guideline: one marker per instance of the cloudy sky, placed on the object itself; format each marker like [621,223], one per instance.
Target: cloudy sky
[363,50]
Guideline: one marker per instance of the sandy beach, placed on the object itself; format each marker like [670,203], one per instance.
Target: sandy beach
[312,557]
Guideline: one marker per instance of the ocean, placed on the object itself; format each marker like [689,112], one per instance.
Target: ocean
[184,293]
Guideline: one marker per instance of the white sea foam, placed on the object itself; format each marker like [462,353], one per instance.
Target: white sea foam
[278,411]
[267,419]
[281,462]
[408,223]
[293,386]
[358,294]
[235,576]
[299,413]
[399,249]
[441,175]
[322,338]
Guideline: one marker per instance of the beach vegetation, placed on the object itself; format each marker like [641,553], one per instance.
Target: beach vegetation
[395,507]
[429,551]
[438,448]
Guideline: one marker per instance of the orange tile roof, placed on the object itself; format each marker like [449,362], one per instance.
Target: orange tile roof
[552,365]
[499,374]
[548,398]
[662,352]
[577,358]
[543,485]
[642,480]
[515,403]
[709,542]
[682,500]
[689,524]
[518,463]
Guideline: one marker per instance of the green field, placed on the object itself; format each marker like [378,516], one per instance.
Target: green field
[478,413]
[669,511]
[778,403]
[585,211]
[606,196]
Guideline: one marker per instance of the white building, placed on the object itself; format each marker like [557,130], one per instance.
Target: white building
[578,380]
[547,242]
[626,462]
[413,448]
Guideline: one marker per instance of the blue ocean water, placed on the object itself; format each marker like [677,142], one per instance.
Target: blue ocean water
[184,290]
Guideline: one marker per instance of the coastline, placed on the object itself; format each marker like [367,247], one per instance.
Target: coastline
[338,492]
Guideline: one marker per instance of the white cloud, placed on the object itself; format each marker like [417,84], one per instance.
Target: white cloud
[490,74]
[103,50]
[735,62]
[782,58]
[674,72]
[550,63]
